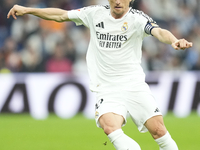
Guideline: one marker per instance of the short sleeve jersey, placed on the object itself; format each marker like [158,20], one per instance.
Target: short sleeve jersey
[114,52]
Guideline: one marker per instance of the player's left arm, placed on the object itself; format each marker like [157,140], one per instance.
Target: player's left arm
[167,37]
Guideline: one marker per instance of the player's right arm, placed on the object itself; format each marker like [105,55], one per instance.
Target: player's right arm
[54,14]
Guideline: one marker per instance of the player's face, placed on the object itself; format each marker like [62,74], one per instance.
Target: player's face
[119,8]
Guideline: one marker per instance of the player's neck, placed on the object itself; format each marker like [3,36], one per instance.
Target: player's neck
[118,15]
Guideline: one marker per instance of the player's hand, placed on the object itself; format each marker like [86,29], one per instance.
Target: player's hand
[181,44]
[16,10]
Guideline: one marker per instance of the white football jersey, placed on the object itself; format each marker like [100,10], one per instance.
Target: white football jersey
[114,52]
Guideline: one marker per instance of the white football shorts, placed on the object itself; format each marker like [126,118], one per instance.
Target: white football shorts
[140,105]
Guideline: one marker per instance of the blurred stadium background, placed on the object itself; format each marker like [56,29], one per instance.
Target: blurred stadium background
[45,102]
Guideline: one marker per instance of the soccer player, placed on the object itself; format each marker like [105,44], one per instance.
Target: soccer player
[113,59]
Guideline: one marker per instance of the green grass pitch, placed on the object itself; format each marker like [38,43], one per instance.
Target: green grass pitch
[22,132]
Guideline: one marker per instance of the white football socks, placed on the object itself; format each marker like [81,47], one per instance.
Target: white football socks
[122,142]
[166,142]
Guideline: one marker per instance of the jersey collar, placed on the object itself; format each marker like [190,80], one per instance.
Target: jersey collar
[120,18]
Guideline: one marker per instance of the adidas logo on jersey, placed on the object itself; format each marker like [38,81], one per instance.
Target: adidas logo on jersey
[100,25]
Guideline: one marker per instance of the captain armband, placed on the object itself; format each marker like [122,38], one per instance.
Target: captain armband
[149,26]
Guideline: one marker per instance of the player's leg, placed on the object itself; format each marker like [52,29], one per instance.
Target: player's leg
[156,127]
[111,124]
[145,114]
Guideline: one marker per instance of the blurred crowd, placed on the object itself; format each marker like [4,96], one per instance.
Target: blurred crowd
[30,44]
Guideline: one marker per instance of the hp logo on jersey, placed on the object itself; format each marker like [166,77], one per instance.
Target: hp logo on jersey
[125,26]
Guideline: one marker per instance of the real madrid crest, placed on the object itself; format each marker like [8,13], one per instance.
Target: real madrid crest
[96,114]
[125,26]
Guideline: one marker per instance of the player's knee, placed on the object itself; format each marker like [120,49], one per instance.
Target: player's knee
[156,127]
[110,129]
[111,122]
[159,131]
